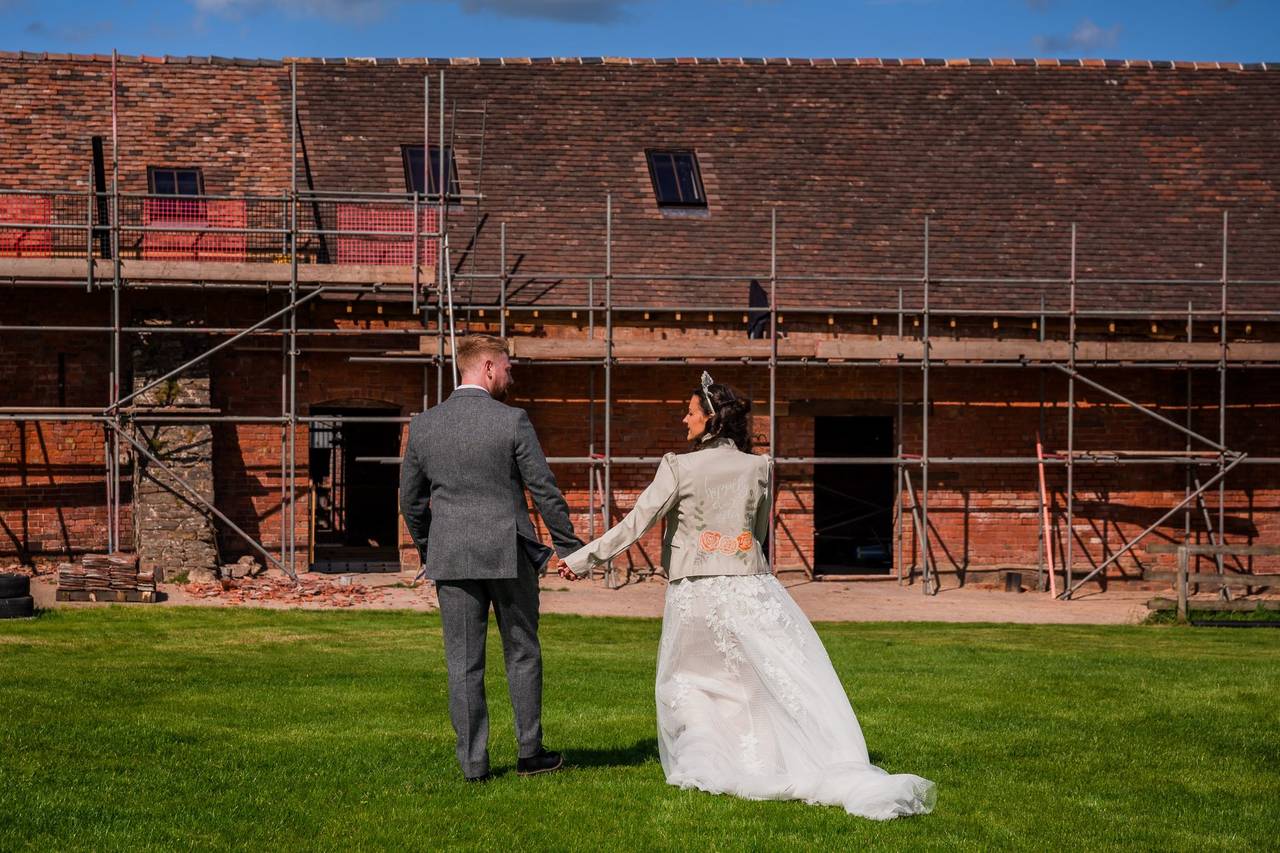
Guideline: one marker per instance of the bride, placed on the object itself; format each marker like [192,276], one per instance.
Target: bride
[748,702]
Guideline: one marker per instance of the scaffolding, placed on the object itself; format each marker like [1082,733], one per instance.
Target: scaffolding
[105,241]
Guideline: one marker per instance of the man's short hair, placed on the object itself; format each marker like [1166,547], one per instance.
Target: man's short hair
[474,349]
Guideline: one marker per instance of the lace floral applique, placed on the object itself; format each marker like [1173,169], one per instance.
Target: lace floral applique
[751,752]
[737,605]
[681,595]
[770,610]
[681,695]
[786,686]
[721,620]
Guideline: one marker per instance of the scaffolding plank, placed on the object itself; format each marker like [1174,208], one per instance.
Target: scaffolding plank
[870,349]
[1264,580]
[944,350]
[556,348]
[1045,351]
[696,348]
[307,273]
[69,269]
[713,348]
[51,268]
[999,350]
[1206,351]
[1214,550]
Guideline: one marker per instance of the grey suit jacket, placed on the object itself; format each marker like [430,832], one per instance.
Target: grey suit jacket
[717,507]
[462,482]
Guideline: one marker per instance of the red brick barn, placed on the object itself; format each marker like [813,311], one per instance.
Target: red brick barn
[959,279]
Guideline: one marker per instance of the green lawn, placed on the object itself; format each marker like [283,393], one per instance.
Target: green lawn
[136,727]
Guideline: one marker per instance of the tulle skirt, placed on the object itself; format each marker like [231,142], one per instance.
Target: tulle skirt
[749,704]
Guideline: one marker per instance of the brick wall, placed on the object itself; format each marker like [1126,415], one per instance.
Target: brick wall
[177,116]
[1144,160]
[981,517]
[53,473]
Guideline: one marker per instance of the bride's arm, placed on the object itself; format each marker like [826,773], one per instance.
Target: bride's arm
[653,503]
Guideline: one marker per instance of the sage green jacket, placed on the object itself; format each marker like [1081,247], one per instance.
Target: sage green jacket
[716,503]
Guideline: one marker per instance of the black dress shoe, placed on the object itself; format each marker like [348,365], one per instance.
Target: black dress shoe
[543,762]
[485,778]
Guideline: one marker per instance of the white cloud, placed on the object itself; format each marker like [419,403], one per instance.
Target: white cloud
[1085,38]
[73,33]
[572,11]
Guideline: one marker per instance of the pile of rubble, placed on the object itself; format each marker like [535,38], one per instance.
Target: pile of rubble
[280,589]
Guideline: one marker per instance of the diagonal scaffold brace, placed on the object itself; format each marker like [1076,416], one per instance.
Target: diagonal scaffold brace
[293,305]
[182,483]
[1236,459]
[118,427]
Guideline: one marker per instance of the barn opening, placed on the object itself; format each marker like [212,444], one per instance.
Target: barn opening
[853,504]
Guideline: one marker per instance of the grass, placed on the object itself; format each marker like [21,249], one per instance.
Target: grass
[1258,614]
[156,728]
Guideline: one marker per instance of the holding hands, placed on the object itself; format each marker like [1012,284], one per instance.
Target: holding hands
[565,572]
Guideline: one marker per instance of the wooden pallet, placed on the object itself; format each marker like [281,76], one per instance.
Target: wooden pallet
[113,595]
[1238,605]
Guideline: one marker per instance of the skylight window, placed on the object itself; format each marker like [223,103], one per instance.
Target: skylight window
[167,181]
[676,179]
[413,177]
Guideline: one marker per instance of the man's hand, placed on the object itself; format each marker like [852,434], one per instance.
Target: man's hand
[565,572]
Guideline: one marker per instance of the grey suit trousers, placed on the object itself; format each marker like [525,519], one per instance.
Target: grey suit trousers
[464,613]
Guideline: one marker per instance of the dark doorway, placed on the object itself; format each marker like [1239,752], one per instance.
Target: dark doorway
[354,484]
[853,504]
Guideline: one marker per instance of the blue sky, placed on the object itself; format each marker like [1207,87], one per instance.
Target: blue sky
[1231,30]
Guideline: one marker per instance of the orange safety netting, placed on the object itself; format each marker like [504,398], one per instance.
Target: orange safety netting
[397,223]
[160,245]
[26,242]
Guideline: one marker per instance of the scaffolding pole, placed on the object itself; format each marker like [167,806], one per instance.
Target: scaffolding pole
[1071,422]
[292,424]
[182,483]
[115,417]
[606,495]
[930,583]
[1186,487]
[113,508]
[1222,404]
[1101,567]
[899,468]
[774,491]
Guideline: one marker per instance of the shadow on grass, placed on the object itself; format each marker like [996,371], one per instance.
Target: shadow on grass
[643,752]
[640,752]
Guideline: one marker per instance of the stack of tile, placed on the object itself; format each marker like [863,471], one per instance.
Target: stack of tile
[97,573]
[70,577]
[110,571]
[122,569]
[105,577]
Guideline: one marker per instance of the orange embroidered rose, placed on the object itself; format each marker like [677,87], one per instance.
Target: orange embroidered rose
[744,540]
[709,540]
[728,546]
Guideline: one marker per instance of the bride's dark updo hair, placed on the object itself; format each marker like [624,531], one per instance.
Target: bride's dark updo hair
[732,417]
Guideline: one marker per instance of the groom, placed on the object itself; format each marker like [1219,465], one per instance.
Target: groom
[462,482]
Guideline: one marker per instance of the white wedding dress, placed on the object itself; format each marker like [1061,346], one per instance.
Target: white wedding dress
[749,704]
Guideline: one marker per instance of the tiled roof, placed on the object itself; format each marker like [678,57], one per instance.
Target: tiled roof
[1003,157]
[806,61]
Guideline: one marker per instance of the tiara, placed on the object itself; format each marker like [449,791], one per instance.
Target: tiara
[707,382]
